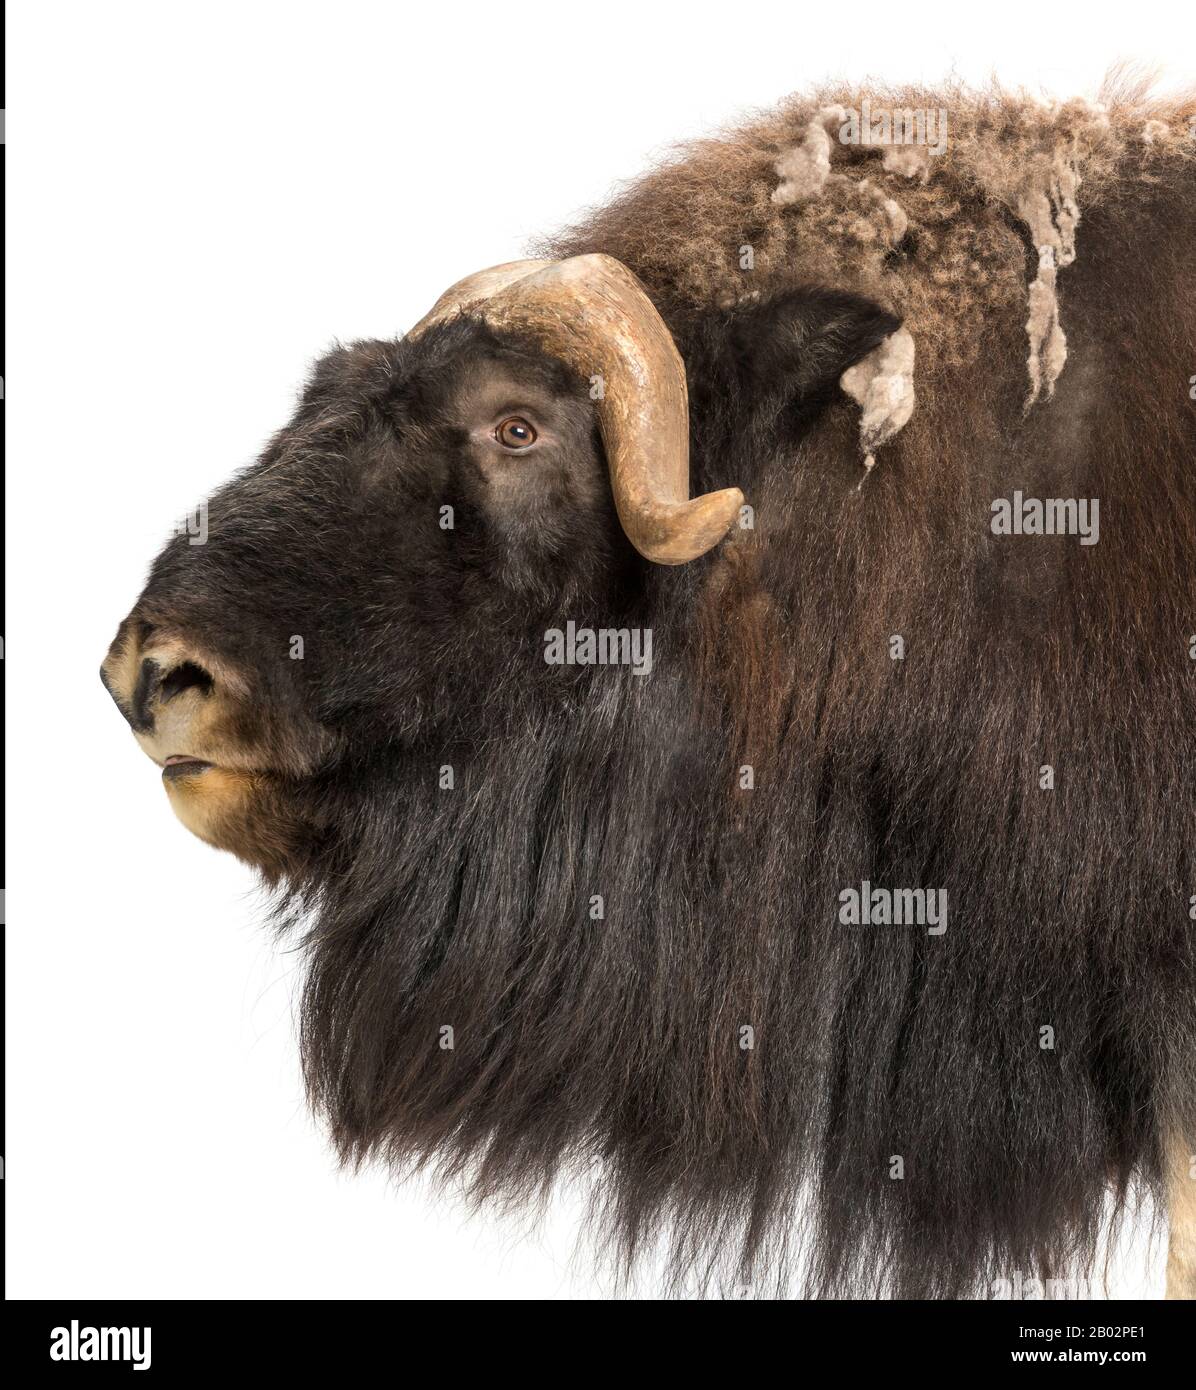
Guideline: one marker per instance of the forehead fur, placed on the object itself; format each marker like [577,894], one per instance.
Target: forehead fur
[426,372]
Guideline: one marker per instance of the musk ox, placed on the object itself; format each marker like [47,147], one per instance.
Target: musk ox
[717,701]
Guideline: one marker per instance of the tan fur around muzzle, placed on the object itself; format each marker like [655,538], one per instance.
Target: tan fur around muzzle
[592,313]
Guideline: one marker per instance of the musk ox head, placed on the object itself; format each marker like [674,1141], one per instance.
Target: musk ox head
[384,575]
[430,503]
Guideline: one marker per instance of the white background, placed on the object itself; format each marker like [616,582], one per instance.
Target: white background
[201,198]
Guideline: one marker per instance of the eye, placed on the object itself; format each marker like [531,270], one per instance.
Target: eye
[515,433]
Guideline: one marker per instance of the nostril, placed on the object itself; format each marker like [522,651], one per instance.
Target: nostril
[139,714]
[155,685]
[185,676]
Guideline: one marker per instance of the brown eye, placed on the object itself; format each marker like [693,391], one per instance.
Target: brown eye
[515,433]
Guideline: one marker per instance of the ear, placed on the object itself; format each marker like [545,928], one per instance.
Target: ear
[798,344]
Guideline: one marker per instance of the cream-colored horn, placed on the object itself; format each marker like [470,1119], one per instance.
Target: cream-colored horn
[593,314]
[475,289]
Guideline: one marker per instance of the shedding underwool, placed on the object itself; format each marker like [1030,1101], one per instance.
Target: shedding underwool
[882,384]
[1051,214]
[805,170]
[1042,194]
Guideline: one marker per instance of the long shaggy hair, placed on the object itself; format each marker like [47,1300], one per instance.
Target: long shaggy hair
[624,916]
[619,1041]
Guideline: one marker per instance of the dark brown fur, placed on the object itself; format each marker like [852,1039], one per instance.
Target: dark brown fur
[616,1045]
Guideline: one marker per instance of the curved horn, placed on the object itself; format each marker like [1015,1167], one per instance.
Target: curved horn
[475,289]
[592,313]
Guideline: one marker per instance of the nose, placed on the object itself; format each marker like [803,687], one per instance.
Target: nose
[143,682]
[157,685]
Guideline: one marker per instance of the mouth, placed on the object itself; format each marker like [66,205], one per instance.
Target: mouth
[179,765]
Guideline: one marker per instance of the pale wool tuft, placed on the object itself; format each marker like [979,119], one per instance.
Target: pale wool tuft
[896,222]
[911,161]
[804,171]
[1052,215]
[882,384]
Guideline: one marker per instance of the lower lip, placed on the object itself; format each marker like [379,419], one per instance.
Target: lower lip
[175,768]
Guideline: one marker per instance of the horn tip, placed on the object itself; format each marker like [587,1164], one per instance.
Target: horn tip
[691,528]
